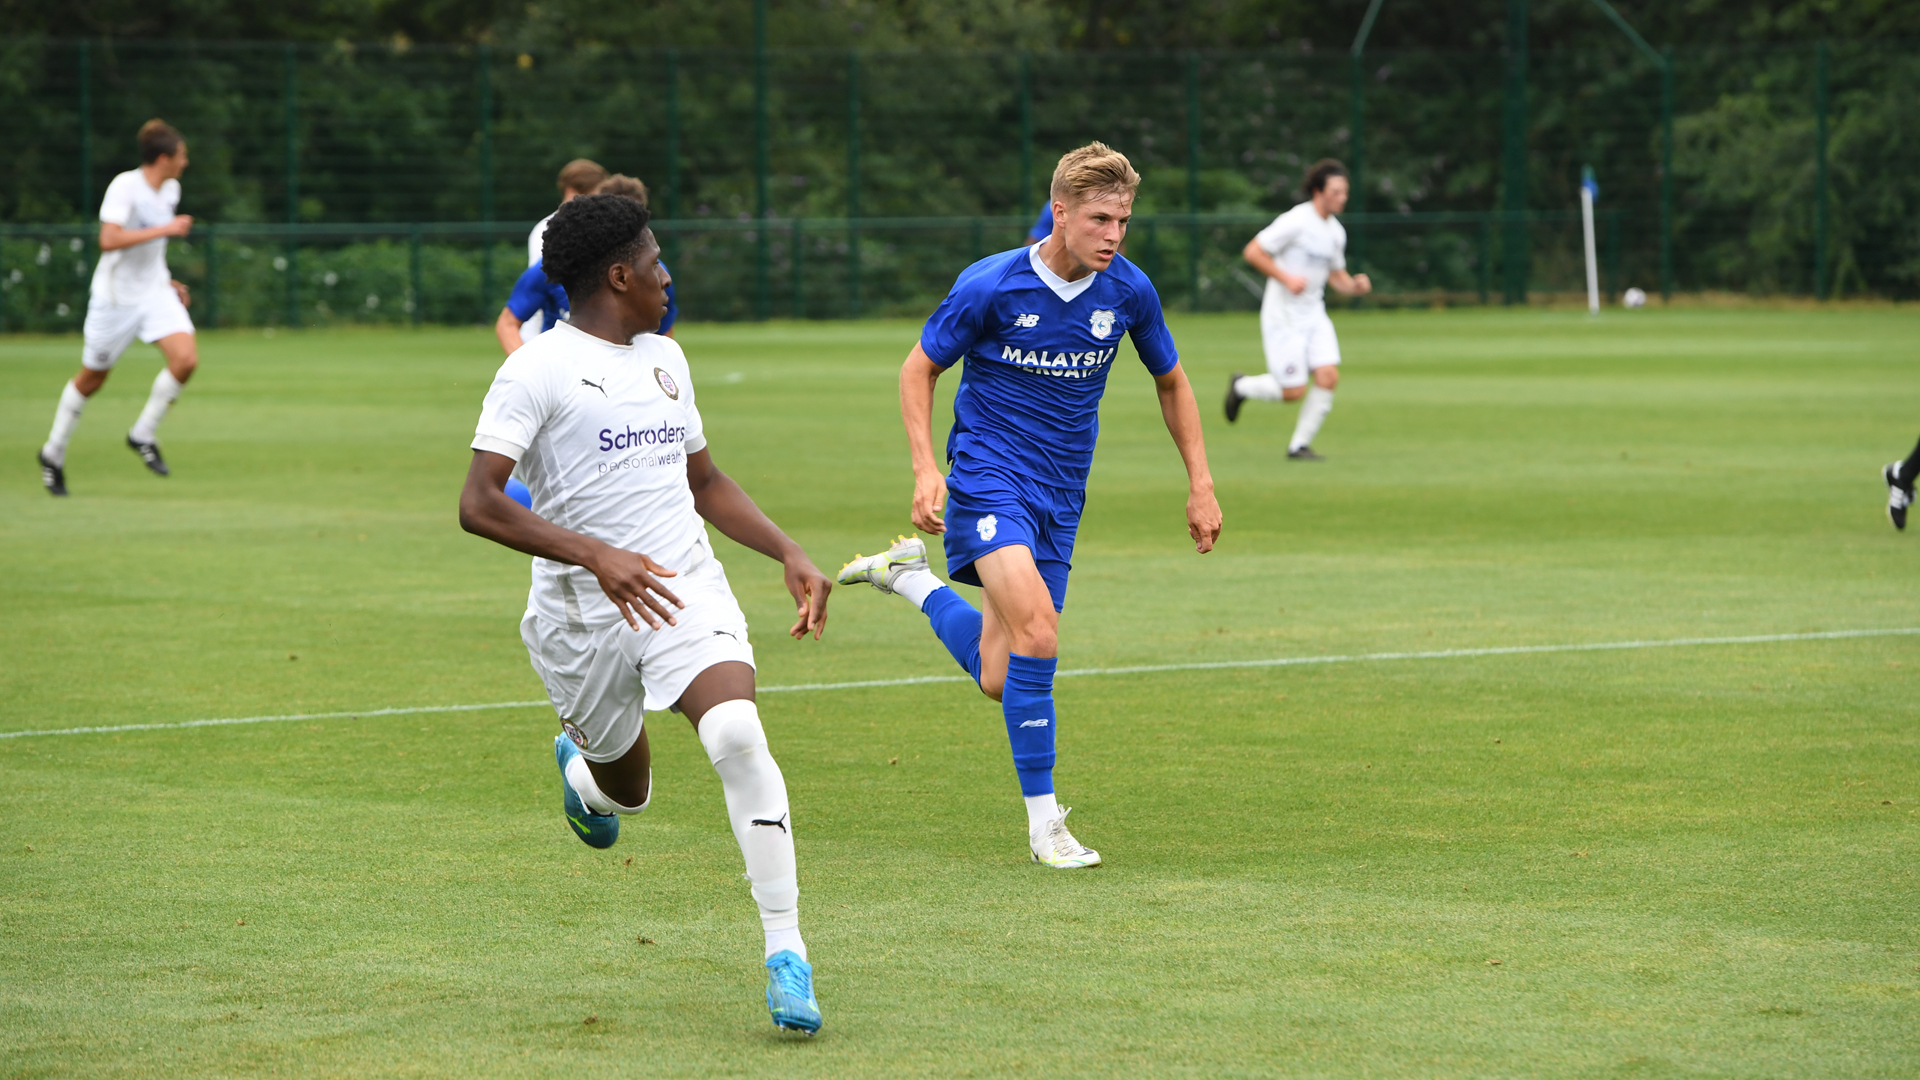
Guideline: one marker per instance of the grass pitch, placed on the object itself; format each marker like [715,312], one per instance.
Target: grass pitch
[1689,861]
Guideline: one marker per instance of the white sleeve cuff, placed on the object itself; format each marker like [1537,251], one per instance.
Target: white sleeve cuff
[695,444]
[499,446]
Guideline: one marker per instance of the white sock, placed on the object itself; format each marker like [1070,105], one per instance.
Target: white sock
[917,585]
[1041,809]
[1258,387]
[165,389]
[1313,413]
[762,824]
[580,778]
[785,939]
[65,418]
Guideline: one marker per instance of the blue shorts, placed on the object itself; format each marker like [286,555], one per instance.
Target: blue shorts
[988,510]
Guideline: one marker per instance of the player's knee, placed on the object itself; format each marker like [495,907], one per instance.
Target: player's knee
[1293,393]
[1036,638]
[731,728]
[1327,378]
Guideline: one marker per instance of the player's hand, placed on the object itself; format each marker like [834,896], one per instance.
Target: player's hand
[809,588]
[1203,519]
[1295,283]
[1362,284]
[181,225]
[180,290]
[929,502]
[632,582]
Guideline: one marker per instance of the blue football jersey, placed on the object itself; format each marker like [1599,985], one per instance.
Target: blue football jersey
[1037,363]
[533,292]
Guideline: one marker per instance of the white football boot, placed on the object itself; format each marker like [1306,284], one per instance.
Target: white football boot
[1054,846]
[908,553]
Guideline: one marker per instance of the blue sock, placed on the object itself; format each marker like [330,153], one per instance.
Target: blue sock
[1027,702]
[958,626]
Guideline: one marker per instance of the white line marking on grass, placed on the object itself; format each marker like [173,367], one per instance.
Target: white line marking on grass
[1070,673]
[355,714]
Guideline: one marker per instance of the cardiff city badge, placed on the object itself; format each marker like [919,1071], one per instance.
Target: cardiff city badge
[667,385]
[1102,323]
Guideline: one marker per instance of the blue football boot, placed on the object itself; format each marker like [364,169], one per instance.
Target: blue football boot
[594,830]
[790,993]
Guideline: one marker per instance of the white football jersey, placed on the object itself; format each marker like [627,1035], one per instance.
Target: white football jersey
[129,275]
[537,239]
[1303,243]
[601,434]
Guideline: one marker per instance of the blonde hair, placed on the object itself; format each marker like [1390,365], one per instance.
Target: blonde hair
[1094,171]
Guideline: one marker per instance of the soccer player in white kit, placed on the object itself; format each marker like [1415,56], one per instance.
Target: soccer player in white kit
[133,296]
[1301,253]
[629,609]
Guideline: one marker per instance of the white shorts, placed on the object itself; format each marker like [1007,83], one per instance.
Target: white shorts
[600,681]
[110,328]
[1298,343]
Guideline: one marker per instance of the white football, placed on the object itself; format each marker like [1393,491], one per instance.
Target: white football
[1634,298]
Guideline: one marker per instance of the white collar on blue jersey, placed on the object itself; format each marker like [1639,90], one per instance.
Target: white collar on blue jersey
[1066,290]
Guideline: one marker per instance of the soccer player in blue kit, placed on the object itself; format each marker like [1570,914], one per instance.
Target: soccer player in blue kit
[1039,328]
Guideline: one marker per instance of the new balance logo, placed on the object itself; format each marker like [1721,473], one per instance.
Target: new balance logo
[780,823]
[596,386]
[1042,722]
[1026,322]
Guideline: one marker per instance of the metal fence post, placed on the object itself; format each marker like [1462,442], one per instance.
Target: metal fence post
[673,133]
[1666,175]
[762,282]
[1026,135]
[86,131]
[1820,172]
[484,62]
[419,298]
[212,241]
[1514,247]
[799,283]
[1486,256]
[1356,157]
[853,182]
[1193,181]
[293,185]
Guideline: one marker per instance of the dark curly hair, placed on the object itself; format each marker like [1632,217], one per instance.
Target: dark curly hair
[1318,174]
[586,236]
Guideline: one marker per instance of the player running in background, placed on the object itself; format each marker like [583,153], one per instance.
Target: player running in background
[1900,476]
[597,416]
[537,302]
[133,296]
[1039,328]
[1301,253]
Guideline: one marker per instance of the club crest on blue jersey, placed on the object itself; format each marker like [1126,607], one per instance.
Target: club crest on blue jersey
[987,527]
[1102,322]
[667,385]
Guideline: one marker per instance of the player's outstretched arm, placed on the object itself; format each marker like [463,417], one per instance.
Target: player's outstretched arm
[721,501]
[506,329]
[1182,415]
[114,237]
[630,579]
[917,377]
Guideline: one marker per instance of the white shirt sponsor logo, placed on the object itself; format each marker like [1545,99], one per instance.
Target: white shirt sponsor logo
[603,448]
